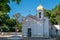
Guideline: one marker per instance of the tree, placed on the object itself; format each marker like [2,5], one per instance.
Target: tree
[55,13]
[47,13]
[11,24]
[4,9]
[3,18]
[5,28]
[4,5]
[58,19]
[17,16]
[18,24]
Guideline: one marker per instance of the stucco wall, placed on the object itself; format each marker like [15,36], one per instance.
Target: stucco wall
[38,28]
[46,27]
[55,30]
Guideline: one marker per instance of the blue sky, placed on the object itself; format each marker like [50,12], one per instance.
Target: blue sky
[29,6]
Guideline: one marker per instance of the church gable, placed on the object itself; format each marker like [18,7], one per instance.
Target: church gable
[31,17]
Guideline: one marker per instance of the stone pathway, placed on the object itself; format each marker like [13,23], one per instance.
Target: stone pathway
[31,39]
[35,38]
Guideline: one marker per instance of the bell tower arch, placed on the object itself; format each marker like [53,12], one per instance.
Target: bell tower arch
[40,13]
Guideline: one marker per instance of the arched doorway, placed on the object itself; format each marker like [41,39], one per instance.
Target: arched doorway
[29,32]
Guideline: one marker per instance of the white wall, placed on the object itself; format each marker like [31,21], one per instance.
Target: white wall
[37,28]
[53,30]
[46,27]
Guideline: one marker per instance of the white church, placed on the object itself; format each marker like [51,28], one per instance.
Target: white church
[36,26]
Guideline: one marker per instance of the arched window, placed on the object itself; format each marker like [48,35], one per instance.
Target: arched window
[39,14]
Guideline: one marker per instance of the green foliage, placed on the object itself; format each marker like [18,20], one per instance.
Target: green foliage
[5,28]
[8,24]
[17,15]
[58,19]
[4,6]
[17,1]
[56,13]
[3,18]
[11,22]
[47,13]
[5,21]
[53,14]
[19,25]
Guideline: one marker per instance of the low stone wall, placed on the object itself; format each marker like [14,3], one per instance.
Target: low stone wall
[10,33]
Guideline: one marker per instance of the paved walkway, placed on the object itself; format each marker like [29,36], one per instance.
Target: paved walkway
[35,38]
[31,39]
[19,37]
[11,36]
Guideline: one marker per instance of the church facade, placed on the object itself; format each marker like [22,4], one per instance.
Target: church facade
[36,26]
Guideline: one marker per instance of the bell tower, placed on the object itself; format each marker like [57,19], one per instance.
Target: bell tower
[40,13]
